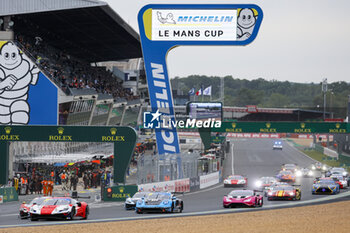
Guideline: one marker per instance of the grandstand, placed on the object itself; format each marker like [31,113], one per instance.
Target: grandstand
[69,40]
[66,39]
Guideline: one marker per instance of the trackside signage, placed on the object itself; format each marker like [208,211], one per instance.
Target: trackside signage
[194,24]
[165,26]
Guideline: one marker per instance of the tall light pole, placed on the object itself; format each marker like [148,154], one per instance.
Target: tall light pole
[324,90]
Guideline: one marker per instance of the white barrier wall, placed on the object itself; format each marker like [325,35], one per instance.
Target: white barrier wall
[209,180]
[330,153]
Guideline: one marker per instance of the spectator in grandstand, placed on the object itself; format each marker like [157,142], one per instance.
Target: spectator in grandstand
[67,70]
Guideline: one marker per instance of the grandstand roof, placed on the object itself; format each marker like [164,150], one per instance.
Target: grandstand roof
[87,29]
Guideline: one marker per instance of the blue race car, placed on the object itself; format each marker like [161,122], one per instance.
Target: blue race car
[325,186]
[159,202]
[130,203]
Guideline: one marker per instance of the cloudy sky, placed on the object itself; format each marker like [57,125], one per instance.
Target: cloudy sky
[298,41]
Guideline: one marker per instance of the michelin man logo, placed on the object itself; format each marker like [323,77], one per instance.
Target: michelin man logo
[17,72]
[168,19]
[246,21]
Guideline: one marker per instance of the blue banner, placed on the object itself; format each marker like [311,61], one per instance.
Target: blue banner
[163,27]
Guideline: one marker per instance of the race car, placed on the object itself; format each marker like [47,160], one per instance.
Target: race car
[319,166]
[59,208]
[284,192]
[130,203]
[290,167]
[337,171]
[277,145]
[267,189]
[235,180]
[159,202]
[286,176]
[265,182]
[329,179]
[24,209]
[305,172]
[339,179]
[325,186]
[242,198]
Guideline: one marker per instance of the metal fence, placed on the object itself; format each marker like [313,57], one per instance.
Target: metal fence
[157,168]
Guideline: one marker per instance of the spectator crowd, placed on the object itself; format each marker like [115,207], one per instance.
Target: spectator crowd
[70,72]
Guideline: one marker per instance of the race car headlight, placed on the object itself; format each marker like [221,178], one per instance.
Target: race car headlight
[165,202]
[226,182]
[269,193]
[241,182]
[299,173]
[313,167]
[247,200]
[291,193]
[324,168]
[258,183]
[139,202]
[310,173]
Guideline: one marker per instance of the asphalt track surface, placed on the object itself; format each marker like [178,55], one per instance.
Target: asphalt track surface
[252,157]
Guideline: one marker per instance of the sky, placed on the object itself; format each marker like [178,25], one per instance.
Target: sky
[298,41]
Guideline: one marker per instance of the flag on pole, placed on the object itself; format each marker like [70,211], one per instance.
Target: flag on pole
[192,91]
[207,91]
[199,92]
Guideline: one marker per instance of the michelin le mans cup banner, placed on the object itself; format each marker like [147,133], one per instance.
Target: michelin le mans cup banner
[163,27]
[27,96]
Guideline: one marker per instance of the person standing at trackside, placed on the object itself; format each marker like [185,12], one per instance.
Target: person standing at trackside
[15,183]
[44,183]
[50,184]
[85,180]
[74,181]
[64,180]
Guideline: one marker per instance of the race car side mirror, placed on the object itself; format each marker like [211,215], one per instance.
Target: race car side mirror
[79,204]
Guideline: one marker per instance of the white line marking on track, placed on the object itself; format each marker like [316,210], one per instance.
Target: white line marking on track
[204,190]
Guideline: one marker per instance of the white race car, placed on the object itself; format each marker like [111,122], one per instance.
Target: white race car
[277,145]
[235,180]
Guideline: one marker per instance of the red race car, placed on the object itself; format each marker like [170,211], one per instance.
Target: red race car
[59,208]
[24,209]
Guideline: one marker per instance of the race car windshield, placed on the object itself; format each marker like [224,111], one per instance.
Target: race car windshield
[57,202]
[158,196]
[285,188]
[326,182]
[139,195]
[37,201]
[286,172]
[235,177]
[236,193]
[338,170]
